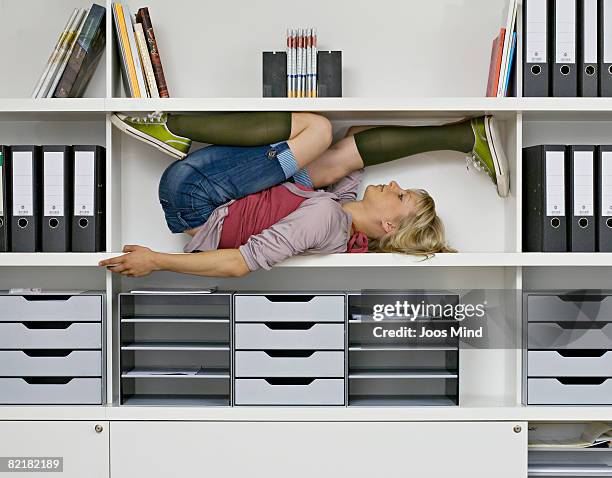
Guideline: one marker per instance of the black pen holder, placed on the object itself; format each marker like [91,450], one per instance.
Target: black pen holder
[329,74]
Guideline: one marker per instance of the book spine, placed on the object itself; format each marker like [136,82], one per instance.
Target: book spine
[56,68]
[76,65]
[128,52]
[125,75]
[54,53]
[129,20]
[144,18]
[145,59]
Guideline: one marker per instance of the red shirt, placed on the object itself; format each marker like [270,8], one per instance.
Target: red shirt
[252,214]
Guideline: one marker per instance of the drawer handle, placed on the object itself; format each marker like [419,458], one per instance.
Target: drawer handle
[46,325]
[40,298]
[289,298]
[290,325]
[289,353]
[47,380]
[289,381]
[581,325]
[47,353]
[579,296]
[582,380]
[582,353]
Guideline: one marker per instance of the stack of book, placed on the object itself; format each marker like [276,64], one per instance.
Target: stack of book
[503,53]
[75,56]
[302,63]
[141,67]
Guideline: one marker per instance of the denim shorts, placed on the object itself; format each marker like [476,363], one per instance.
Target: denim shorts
[192,188]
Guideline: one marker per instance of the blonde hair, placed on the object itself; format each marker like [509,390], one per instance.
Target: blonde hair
[421,233]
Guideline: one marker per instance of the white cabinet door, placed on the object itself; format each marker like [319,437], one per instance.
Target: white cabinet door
[83,448]
[323,449]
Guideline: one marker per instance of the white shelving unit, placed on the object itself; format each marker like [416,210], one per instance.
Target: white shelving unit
[424,63]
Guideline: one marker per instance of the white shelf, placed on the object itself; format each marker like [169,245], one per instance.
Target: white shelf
[465,259]
[51,259]
[190,411]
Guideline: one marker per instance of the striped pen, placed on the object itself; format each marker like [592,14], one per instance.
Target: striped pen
[294,65]
[308,64]
[289,84]
[315,63]
[300,63]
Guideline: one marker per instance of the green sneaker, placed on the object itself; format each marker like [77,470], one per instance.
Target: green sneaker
[488,154]
[152,129]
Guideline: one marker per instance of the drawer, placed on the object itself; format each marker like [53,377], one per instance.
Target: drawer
[552,391]
[289,308]
[292,392]
[594,335]
[569,307]
[48,363]
[40,307]
[41,391]
[38,336]
[569,363]
[281,336]
[289,364]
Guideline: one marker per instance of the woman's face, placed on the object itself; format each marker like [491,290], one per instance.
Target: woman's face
[390,202]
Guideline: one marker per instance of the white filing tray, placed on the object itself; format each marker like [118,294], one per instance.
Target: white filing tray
[263,392]
[289,308]
[77,363]
[554,391]
[16,336]
[268,364]
[44,391]
[49,307]
[315,337]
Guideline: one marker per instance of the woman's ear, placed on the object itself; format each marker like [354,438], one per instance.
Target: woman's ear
[388,226]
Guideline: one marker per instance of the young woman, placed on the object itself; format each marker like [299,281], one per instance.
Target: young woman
[271,187]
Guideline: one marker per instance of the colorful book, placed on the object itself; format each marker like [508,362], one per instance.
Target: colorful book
[85,55]
[54,53]
[67,56]
[129,60]
[58,65]
[495,65]
[145,61]
[125,74]
[510,64]
[510,27]
[132,38]
[143,17]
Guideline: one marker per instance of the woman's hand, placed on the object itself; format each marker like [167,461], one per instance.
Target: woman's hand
[138,262]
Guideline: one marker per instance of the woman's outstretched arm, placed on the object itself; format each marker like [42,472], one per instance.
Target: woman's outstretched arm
[141,261]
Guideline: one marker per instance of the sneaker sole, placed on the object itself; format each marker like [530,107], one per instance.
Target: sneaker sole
[145,138]
[500,162]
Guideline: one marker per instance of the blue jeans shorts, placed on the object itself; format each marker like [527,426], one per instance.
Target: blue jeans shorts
[192,188]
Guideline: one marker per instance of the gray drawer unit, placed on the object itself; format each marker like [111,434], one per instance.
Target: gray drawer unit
[551,335]
[560,363]
[283,364]
[50,391]
[307,392]
[571,306]
[51,307]
[17,336]
[553,391]
[277,337]
[289,308]
[47,363]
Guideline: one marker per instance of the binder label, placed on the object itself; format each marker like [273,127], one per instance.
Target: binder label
[536,32]
[23,192]
[555,183]
[606,183]
[583,183]
[84,183]
[54,183]
[565,31]
[589,30]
